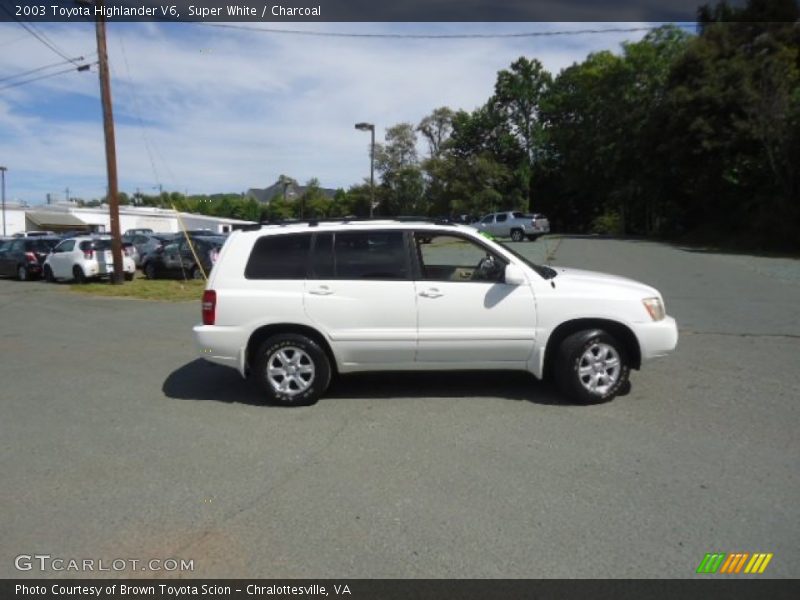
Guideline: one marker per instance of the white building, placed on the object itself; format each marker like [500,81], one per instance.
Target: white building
[18,218]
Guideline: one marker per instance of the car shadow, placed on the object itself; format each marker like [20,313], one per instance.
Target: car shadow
[202,380]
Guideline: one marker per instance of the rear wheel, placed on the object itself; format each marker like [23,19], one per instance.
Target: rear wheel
[592,367]
[128,276]
[292,369]
[150,270]
[22,273]
[78,275]
[517,235]
[197,273]
[48,274]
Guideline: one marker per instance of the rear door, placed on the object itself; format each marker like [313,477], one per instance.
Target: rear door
[502,225]
[359,290]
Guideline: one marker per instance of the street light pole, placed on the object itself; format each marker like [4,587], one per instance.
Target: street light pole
[3,175]
[371,128]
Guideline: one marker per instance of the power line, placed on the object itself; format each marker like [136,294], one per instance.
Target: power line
[84,67]
[137,109]
[39,36]
[25,73]
[438,36]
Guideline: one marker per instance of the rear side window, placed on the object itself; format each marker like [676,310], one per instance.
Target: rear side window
[279,257]
[501,218]
[370,255]
[40,245]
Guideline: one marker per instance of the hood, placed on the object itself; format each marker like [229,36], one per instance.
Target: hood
[568,277]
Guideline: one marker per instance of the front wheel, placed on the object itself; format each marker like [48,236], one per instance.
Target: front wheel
[592,367]
[517,235]
[22,273]
[533,238]
[292,369]
[150,270]
[48,274]
[128,276]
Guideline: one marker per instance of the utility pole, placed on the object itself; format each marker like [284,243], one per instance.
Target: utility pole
[66,191]
[111,150]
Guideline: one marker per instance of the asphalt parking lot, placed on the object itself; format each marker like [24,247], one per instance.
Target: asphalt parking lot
[117,442]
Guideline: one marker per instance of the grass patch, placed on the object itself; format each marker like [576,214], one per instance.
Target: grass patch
[170,290]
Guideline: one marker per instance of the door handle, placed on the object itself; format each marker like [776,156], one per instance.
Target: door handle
[323,290]
[431,293]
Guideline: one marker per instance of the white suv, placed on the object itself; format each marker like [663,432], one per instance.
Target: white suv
[84,257]
[292,304]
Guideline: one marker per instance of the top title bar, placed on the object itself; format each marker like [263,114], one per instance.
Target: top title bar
[354,10]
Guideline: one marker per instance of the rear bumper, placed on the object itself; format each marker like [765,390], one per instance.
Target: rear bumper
[658,338]
[221,345]
[98,269]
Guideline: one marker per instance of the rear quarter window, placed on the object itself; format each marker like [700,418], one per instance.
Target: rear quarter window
[279,257]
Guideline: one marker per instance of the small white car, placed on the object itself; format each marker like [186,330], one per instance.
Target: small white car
[83,258]
[291,305]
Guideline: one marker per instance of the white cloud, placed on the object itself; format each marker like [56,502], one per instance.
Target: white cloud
[224,109]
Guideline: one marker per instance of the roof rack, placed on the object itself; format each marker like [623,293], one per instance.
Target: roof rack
[316,222]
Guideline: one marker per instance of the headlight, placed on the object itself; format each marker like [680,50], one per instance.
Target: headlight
[655,308]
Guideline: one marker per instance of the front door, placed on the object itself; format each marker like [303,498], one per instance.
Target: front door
[466,313]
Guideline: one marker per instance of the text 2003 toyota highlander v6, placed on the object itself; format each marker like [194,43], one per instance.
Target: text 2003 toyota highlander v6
[292,304]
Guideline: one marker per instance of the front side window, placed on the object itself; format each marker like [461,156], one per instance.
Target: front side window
[488,219]
[65,246]
[279,257]
[454,258]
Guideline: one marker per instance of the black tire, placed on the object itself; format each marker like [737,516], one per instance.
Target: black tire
[533,238]
[129,276]
[196,273]
[574,373]
[22,273]
[149,270]
[517,235]
[310,355]
[78,275]
[48,274]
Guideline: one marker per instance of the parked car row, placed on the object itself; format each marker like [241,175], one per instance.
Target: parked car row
[88,256]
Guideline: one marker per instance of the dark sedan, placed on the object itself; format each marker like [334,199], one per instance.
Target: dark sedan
[23,257]
[176,259]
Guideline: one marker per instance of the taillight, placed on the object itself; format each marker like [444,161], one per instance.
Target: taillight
[209,306]
[31,257]
[88,254]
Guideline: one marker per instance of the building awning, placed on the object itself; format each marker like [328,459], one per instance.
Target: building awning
[51,220]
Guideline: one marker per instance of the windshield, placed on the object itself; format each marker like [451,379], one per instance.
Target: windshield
[40,245]
[543,270]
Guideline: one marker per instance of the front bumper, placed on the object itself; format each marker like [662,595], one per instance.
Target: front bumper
[657,338]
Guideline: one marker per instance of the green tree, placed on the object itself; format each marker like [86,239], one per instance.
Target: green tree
[517,98]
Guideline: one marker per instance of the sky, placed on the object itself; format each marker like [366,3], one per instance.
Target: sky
[205,109]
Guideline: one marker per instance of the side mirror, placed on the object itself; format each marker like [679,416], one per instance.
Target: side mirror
[514,275]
